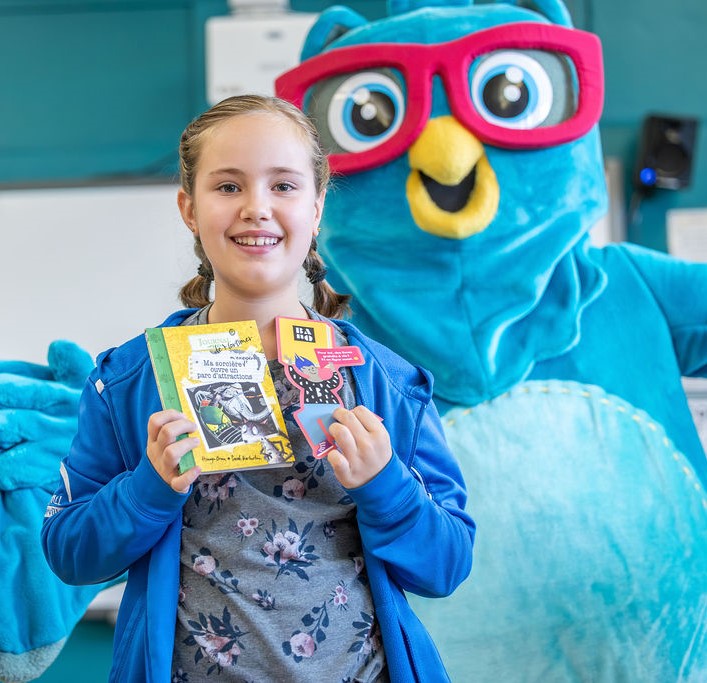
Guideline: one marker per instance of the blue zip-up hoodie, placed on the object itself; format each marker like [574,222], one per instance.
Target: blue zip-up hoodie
[114,513]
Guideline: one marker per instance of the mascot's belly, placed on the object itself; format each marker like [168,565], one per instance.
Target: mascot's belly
[591,555]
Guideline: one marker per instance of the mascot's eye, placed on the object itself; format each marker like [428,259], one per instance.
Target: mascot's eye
[513,90]
[359,111]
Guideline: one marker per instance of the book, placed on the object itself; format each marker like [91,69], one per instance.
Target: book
[218,376]
[308,352]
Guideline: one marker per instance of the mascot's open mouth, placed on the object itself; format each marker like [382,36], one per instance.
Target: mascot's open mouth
[450,198]
[451,190]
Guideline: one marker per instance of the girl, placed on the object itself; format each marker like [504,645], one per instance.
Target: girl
[287,575]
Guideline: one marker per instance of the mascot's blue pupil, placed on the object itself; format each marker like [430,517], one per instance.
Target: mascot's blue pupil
[505,98]
[370,113]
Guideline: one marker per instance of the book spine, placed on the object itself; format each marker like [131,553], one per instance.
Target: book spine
[166,386]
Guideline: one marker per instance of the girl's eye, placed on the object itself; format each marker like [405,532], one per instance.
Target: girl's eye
[513,90]
[283,187]
[228,188]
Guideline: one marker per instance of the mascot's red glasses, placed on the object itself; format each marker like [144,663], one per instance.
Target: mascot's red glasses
[458,64]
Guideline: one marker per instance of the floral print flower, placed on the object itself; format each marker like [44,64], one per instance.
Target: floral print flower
[293,489]
[340,596]
[288,550]
[302,644]
[246,526]
[284,545]
[216,639]
[204,564]
[218,649]
[215,488]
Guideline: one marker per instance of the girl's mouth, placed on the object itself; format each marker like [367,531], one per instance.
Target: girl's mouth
[248,241]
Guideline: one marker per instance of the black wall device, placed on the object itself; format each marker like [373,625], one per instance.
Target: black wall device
[665,153]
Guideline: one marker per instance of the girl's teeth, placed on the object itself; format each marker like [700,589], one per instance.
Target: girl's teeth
[256,241]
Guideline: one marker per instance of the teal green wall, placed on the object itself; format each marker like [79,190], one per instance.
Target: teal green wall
[102,88]
[86,657]
[655,56]
[96,89]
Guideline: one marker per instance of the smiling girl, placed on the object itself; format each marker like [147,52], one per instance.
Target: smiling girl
[262,575]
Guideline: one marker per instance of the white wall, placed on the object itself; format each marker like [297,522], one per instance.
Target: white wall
[95,265]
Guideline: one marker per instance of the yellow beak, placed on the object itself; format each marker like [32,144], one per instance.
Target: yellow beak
[452,190]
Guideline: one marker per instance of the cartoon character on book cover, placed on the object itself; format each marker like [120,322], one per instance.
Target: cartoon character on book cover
[307,350]
[231,413]
[238,413]
[468,174]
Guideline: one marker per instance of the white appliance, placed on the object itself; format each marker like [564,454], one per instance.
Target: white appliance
[247,50]
[696,390]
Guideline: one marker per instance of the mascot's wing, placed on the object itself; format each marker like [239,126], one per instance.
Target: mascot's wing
[38,416]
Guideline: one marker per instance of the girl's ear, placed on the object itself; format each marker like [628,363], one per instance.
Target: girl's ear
[186,208]
[318,209]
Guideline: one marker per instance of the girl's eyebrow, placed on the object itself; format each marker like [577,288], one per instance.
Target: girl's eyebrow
[226,171]
[286,170]
[275,170]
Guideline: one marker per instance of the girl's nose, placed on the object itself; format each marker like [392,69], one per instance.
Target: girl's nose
[255,207]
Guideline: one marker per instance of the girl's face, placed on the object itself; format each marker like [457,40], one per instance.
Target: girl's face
[254,205]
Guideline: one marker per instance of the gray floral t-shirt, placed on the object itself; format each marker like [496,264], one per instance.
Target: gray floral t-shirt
[272,581]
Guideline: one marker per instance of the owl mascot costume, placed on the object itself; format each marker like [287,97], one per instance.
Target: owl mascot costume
[470,172]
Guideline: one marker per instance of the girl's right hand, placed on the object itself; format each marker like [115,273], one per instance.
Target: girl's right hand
[165,449]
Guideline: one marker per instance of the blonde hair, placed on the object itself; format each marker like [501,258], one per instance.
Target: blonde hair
[197,292]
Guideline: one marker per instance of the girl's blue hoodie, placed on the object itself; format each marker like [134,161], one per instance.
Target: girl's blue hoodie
[114,513]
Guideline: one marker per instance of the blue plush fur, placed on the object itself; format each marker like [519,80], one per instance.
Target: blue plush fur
[558,369]
[38,414]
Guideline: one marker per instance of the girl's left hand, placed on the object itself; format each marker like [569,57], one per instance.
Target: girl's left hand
[362,446]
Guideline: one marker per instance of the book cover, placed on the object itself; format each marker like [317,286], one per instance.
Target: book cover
[218,376]
[308,352]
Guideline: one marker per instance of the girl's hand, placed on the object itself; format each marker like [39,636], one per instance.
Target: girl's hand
[362,446]
[165,450]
